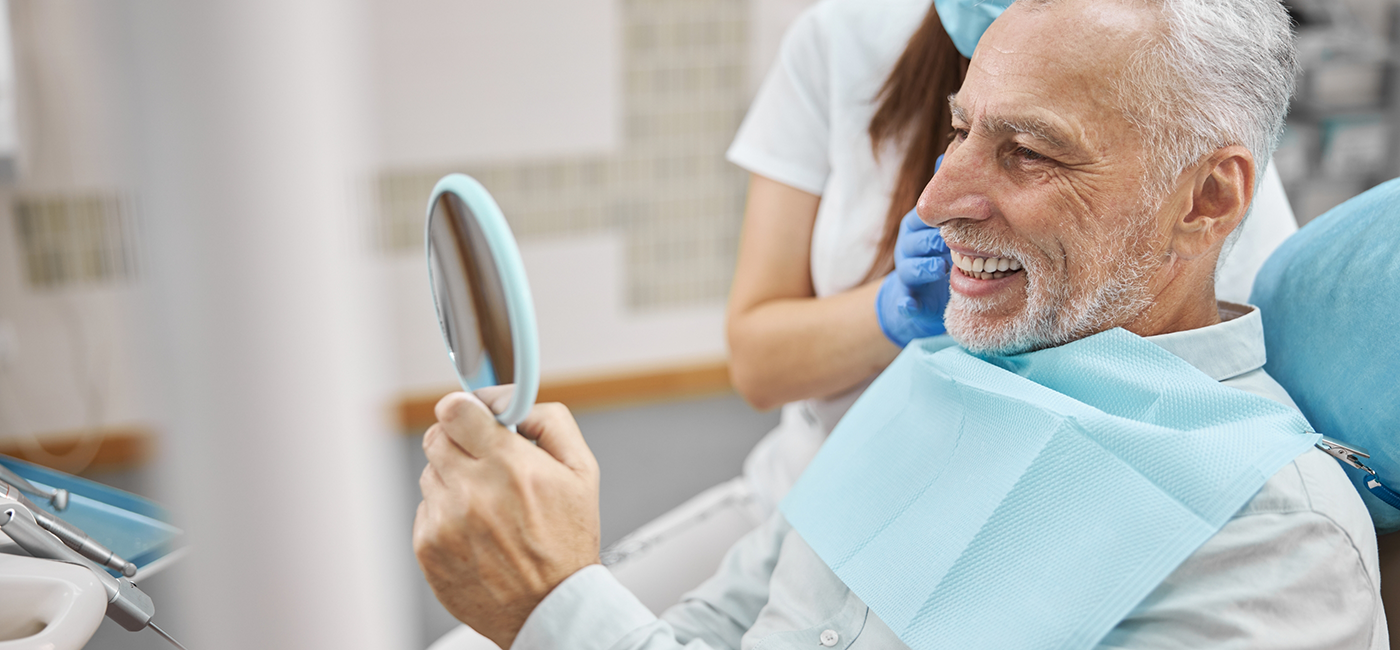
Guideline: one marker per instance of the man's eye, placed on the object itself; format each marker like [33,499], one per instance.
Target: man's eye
[1027,154]
[959,134]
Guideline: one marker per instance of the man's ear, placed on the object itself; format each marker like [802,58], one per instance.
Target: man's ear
[1222,189]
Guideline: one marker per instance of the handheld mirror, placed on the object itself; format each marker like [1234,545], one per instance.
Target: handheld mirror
[482,298]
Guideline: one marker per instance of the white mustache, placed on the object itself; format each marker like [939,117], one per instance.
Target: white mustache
[986,244]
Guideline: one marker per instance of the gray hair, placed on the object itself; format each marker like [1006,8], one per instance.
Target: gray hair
[1221,73]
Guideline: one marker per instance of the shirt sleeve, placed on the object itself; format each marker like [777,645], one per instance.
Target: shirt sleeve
[591,610]
[786,132]
[1282,581]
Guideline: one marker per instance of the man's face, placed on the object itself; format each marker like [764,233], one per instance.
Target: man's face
[1045,174]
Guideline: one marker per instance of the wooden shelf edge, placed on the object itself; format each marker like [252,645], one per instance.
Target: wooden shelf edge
[415,411]
[127,447]
[120,448]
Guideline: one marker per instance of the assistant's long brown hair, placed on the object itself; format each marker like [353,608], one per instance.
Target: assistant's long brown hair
[914,108]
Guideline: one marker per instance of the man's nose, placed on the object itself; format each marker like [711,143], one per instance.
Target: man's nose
[959,187]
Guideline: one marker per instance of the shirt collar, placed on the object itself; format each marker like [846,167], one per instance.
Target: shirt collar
[1230,348]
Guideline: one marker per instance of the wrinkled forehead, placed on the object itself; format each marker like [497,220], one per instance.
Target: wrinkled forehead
[1061,58]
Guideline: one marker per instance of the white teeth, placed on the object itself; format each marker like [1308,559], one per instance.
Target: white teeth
[986,268]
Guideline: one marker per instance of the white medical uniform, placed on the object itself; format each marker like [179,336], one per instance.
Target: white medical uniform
[808,128]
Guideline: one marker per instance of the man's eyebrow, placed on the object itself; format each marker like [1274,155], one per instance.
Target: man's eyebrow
[996,124]
[959,113]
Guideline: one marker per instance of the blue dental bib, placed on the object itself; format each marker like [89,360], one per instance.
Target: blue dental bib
[1032,501]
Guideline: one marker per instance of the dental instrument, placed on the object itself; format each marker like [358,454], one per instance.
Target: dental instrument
[71,535]
[127,605]
[166,636]
[58,498]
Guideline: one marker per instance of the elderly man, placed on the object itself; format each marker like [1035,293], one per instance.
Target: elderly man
[1101,462]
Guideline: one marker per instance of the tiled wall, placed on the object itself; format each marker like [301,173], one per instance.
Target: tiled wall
[73,238]
[668,188]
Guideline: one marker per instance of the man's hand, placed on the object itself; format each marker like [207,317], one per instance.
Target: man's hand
[503,521]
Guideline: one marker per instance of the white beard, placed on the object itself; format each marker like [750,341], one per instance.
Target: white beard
[1052,314]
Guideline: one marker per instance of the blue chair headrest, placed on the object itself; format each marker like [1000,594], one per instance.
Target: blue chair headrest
[1330,300]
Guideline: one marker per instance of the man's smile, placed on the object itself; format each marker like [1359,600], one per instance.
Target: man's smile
[985,267]
[978,274]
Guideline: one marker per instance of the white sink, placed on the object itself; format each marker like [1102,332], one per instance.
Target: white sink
[47,605]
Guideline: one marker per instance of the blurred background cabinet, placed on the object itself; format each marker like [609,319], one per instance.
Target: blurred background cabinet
[1342,128]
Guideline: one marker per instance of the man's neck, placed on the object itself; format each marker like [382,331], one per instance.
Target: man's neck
[1187,317]
[1176,311]
[1184,299]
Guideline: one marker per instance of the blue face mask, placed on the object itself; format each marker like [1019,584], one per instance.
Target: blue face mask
[965,20]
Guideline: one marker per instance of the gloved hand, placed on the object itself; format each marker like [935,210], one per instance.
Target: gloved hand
[912,297]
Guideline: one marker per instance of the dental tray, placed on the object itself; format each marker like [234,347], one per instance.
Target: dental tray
[133,527]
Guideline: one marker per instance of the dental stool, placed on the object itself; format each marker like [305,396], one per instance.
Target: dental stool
[1330,301]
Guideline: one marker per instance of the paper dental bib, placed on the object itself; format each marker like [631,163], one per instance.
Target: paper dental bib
[1031,501]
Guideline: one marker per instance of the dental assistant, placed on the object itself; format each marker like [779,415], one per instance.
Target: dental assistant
[840,140]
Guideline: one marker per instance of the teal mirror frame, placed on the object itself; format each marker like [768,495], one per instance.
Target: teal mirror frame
[520,309]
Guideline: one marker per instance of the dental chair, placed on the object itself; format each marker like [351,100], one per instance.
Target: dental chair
[1330,301]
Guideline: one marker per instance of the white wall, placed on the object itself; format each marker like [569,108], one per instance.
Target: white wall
[72,95]
[67,362]
[770,21]
[488,80]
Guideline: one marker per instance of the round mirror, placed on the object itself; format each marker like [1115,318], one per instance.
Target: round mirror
[482,298]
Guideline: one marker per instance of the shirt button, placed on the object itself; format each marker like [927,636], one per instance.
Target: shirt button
[830,637]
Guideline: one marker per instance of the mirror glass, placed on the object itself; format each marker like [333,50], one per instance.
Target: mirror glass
[470,297]
[481,294]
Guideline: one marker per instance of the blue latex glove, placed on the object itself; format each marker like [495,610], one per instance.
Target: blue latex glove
[912,297]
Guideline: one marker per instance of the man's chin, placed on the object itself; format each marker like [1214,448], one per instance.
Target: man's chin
[985,332]
[984,346]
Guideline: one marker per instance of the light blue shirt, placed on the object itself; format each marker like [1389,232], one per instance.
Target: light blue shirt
[1296,567]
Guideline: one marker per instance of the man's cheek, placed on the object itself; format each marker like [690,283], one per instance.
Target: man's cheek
[1045,212]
